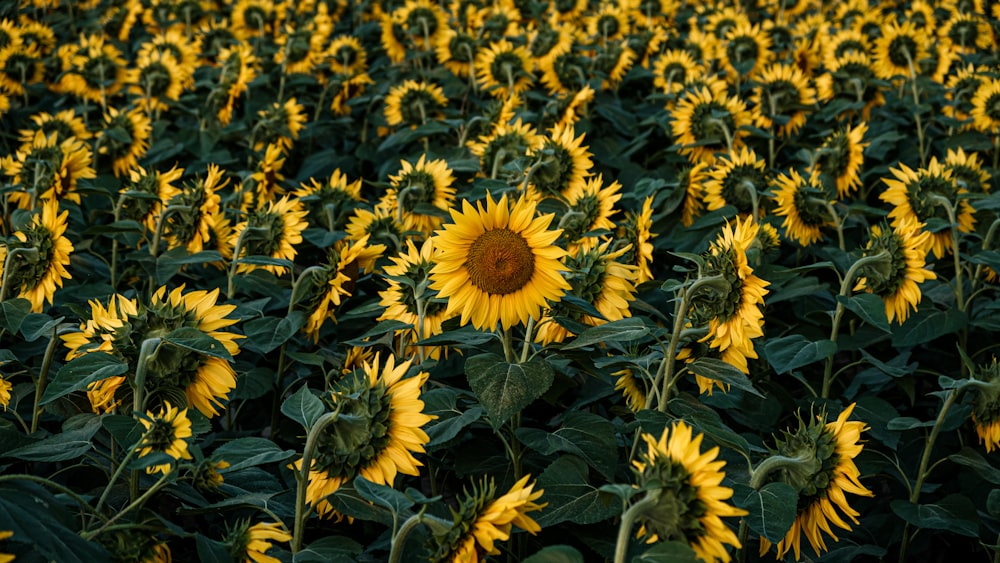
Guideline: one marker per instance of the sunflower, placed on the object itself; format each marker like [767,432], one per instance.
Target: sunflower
[482,519]
[387,405]
[5,387]
[166,432]
[272,232]
[840,158]
[66,124]
[967,171]
[266,179]
[745,50]
[611,62]
[969,33]
[345,261]
[92,70]
[156,79]
[346,89]
[256,18]
[896,281]
[421,194]
[598,278]
[800,202]
[456,50]
[633,387]
[899,50]
[495,21]
[280,123]
[960,89]
[915,194]
[731,308]
[125,138]
[498,263]
[250,543]
[562,165]
[686,485]
[922,15]
[673,69]
[986,107]
[327,203]
[736,179]
[378,223]
[414,103]
[144,208]
[566,11]
[413,302]
[394,36]
[572,107]
[189,220]
[237,68]
[423,21]
[48,169]
[589,214]
[635,233]
[547,41]
[986,407]
[782,93]
[692,180]
[706,122]
[99,334]
[35,259]
[565,71]
[608,24]
[504,69]
[506,144]
[842,43]
[20,65]
[346,55]
[299,49]
[852,80]
[721,21]
[822,487]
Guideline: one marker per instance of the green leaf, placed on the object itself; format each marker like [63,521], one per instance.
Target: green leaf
[901,423]
[925,325]
[37,325]
[382,495]
[794,351]
[570,497]
[993,503]
[12,313]
[443,403]
[303,407]
[584,434]
[384,327]
[80,372]
[124,429]
[714,368]
[973,460]
[329,549]
[268,333]
[251,451]
[556,554]
[504,389]
[37,517]
[869,307]
[624,330]
[211,551]
[191,338]
[771,510]
[60,447]
[954,513]
[668,552]
[701,417]
[170,262]
[349,502]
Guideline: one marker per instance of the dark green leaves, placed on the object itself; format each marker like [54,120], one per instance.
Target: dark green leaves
[786,353]
[586,435]
[771,509]
[195,340]
[82,371]
[303,407]
[954,513]
[624,330]
[504,389]
[571,497]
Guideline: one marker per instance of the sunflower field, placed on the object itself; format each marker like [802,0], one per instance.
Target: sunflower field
[499,280]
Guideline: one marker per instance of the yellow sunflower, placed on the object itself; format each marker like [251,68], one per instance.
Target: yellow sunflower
[692,180]
[633,387]
[393,420]
[967,171]
[635,233]
[299,49]
[504,69]
[840,158]
[566,71]
[914,194]
[571,107]
[329,202]
[673,69]
[142,209]
[589,214]
[189,223]
[985,411]
[899,50]
[507,143]
[482,519]
[561,165]
[800,202]
[166,432]
[706,122]
[456,50]
[745,50]
[843,42]
[92,70]
[279,123]
[98,334]
[423,21]
[183,47]
[124,138]
[959,91]
[414,103]
[782,93]
[156,80]
[498,263]
[400,299]
[48,169]
[852,80]
[906,248]
[346,55]
[986,107]
[251,543]
[20,65]
[968,32]
[687,486]
[256,18]
[421,194]
[547,41]
[266,180]
[735,179]
[379,223]
[238,66]
[5,387]
[345,262]
[272,232]
[822,492]
[35,260]
[66,124]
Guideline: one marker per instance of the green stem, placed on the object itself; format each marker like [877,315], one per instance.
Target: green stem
[438,525]
[158,233]
[301,512]
[625,527]
[135,504]
[5,280]
[43,376]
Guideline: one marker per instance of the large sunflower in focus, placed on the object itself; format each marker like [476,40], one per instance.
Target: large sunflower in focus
[498,263]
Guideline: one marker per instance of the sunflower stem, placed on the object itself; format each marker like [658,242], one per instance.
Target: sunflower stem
[759,475]
[301,512]
[526,347]
[43,375]
[508,346]
[846,286]
[118,471]
[837,223]
[114,242]
[625,527]
[5,280]
[135,504]
[399,537]
[953,226]
[987,242]
[158,233]
[916,108]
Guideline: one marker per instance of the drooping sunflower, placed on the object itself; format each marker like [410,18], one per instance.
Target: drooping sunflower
[633,386]
[153,183]
[495,21]
[299,48]
[504,69]
[417,188]
[731,308]
[166,432]
[546,41]
[960,88]
[916,194]
[840,157]
[329,202]
[423,21]
[801,202]
[986,407]
[566,11]
[273,232]
[896,281]
[401,298]
[388,404]
[598,278]
[673,69]
[135,544]
[571,107]
[986,107]
[823,487]
[256,18]
[456,50]
[899,50]
[414,103]
[265,184]
[99,334]
[507,143]
[125,138]
[498,263]
[37,256]
[93,70]
[334,281]
[280,123]
[967,171]
[690,499]
[562,165]
[736,179]
[706,122]
[589,214]
[346,55]
[48,169]
[190,222]
[565,71]
[482,519]
[782,92]
[745,50]
[635,233]
[250,543]
[184,48]
[842,43]
[611,62]
[157,79]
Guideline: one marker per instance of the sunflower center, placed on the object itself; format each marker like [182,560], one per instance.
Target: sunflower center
[500,262]
[810,214]
[834,156]
[422,20]
[298,47]
[780,97]
[139,208]
[675,73]
[811,479]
